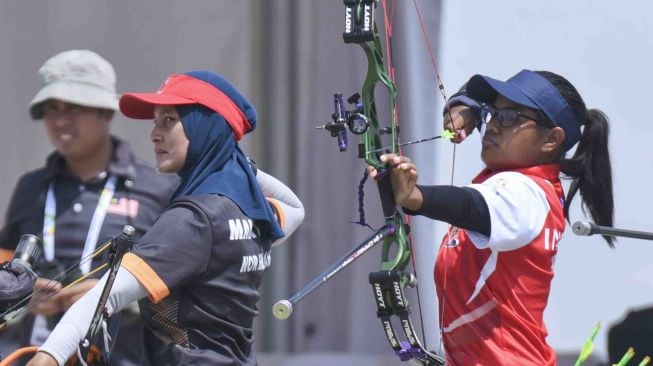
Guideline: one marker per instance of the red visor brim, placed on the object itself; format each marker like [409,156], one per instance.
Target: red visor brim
[141,105]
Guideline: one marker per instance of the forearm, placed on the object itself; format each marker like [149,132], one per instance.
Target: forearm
[64,339]
[463,207]
[290,211]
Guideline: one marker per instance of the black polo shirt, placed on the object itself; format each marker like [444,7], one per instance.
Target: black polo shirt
[141,194]
[202,263]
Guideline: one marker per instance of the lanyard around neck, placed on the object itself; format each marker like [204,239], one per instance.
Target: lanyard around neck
[50,215]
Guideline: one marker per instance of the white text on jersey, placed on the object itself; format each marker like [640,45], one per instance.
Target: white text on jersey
[257,262]
[241,229]
[551,239]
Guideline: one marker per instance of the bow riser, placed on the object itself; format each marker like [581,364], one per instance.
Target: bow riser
[389,283]
[372,143]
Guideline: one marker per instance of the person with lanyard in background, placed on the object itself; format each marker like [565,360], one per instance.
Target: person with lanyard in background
[495,265]
[91,186]
[197,271]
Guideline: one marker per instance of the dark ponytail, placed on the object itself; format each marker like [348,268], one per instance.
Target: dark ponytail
[589,168]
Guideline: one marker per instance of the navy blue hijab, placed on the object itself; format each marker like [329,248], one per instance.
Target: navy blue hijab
[214,162]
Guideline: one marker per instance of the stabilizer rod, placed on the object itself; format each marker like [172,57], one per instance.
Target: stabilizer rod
[282,309]
[588,228]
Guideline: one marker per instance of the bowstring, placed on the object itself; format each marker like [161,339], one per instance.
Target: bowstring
[21,307]
[440,85]
[388,20]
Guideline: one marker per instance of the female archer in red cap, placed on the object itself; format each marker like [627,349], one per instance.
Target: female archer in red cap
[197,271]
[494,267]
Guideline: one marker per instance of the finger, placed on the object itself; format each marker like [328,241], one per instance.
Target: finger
[401,159]
[47,284]
[387,157]
[371,171]
[404,163]
[69,292]
[407,166]
[41,283]
[447,120]
[64,293]
[453,127]
[413,176]
[55,286]
[461,134]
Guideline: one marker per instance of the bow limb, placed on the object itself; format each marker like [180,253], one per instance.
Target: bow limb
[121,245]
[118,246]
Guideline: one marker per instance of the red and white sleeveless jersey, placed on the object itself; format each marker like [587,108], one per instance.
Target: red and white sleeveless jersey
[493,290]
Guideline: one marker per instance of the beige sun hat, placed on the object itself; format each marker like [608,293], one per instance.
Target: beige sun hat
[77,76]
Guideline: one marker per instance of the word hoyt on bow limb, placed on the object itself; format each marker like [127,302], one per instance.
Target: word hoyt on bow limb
[389,283]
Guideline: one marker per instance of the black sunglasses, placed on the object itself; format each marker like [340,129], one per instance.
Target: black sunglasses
[507,117]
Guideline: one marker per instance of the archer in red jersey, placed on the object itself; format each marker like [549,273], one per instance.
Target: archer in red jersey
[495,265]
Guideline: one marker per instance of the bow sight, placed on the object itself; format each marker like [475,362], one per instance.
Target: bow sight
[354,119]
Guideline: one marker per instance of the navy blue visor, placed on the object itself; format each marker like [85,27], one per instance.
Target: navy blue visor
[531,90]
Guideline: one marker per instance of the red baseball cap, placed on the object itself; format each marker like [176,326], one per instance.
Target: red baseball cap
[180,89]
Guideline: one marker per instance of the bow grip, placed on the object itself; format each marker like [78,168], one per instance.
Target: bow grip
[386,193]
